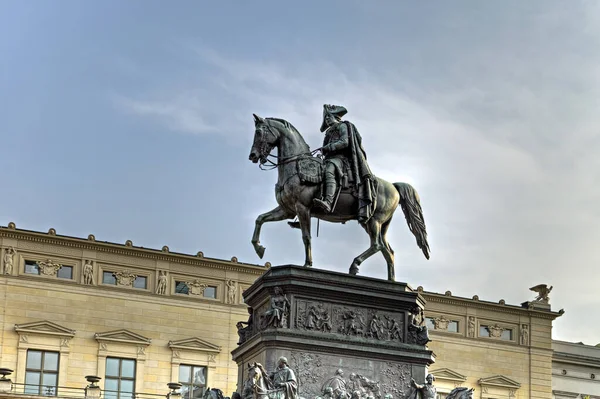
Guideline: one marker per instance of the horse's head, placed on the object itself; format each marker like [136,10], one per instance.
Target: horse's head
[265,138]
[461,393]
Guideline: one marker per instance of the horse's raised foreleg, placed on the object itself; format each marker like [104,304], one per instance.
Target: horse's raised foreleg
[274,215]
[304,219]
[374,230]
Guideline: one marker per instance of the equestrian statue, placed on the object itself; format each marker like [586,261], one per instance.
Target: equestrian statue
[336,186]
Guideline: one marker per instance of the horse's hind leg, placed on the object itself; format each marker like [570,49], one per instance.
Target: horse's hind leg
[387,251]
[273,215]
[374,230]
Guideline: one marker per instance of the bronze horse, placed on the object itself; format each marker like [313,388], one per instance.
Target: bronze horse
[295,192]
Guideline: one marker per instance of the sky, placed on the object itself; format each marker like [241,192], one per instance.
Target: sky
[133,120]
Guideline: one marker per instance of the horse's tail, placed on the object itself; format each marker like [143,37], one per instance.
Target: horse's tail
[411,206]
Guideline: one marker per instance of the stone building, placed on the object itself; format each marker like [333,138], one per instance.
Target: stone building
[141,318]
[575,370]
[138,318]
[503,351]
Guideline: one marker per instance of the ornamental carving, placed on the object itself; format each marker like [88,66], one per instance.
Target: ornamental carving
[9,255]
[278,313]
[471,327]
[524,334]
[196,287]
[88,273]
[161,287]
[495,331]
[320,376]
[441,323]
[48,267]
[313,316]
[125,278]
[231,290]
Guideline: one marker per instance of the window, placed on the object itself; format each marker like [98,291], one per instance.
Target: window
[453,326]
[140,282]
[506,335]
[31,267]
[483,331]
[210,292]
[181,288]
[65,272]
[120,378]
[192,380]
[41,373]
[429,323]
[109,278]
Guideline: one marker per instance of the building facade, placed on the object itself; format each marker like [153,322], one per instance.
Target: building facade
[137,318]
[575,370]
[502,351]
[141,318]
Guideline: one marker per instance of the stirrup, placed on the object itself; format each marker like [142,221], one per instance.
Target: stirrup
[322,204]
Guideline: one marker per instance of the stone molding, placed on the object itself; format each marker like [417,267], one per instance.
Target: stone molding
[195,344]
[499,381]
[447,374]
[478,304]
[122,336]
[155,254]
[44,327]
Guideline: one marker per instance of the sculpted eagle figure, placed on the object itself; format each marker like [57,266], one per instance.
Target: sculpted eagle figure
[543,290]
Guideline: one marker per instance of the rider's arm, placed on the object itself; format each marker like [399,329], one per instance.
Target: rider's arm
[342,142]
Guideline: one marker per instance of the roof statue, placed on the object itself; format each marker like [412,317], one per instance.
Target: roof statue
[543,290]
[336,185]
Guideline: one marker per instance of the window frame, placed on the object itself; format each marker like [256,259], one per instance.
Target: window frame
[191,382]
[41,371]
[118,394]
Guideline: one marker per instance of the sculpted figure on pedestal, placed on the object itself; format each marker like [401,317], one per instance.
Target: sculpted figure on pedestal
[427,390]
[336,188]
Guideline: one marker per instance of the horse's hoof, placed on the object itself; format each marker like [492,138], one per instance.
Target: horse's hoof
[308,265]
[353,270]
[260,251]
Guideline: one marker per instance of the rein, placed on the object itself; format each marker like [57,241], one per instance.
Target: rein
[282,161]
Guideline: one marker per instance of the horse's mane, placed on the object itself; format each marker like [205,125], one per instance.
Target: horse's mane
[289,126]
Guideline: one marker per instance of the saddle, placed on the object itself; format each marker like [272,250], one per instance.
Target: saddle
[311,171]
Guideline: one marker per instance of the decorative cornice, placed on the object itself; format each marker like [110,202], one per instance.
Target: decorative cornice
[122,336]
[196,344]
[448,375]
[138,252]
[432,297]
[499,381]
[44,327]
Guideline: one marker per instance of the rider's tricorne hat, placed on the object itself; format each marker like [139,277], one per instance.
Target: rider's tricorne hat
[336,110]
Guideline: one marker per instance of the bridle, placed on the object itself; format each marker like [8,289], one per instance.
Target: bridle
[264,149]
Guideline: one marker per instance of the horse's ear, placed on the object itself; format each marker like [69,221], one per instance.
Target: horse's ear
[257,119]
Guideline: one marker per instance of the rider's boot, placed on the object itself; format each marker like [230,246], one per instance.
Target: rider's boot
[330,187]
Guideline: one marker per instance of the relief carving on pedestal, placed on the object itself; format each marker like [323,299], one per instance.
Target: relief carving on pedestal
[278,312]
[352,321]
[320,377]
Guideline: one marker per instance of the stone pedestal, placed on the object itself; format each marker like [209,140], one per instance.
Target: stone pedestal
[369,328]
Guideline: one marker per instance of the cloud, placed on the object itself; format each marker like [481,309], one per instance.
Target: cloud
[504,163]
